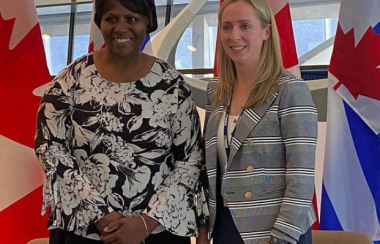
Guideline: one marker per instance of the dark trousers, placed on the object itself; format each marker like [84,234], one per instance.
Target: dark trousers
[224,231]
[306,238]
[68,237]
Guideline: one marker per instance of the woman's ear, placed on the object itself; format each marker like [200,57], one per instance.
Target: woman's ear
[268,31]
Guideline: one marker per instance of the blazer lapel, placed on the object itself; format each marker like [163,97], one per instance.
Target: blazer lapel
[211,137]
[247,122]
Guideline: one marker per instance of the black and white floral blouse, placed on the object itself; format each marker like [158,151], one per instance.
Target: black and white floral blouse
[126,147]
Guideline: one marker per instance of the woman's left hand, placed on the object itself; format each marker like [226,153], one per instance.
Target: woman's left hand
[128,230]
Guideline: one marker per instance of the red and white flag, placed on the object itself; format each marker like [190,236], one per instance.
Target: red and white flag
[22,69]
[281,11]
[96,37]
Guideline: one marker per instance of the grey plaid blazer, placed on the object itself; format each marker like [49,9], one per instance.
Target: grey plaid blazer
[268,184]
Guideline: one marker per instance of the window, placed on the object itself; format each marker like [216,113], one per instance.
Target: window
[311,33]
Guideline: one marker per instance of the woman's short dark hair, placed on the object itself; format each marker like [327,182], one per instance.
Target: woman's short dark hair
[144,7]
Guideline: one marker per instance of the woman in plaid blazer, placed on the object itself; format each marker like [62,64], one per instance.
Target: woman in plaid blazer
[260,136]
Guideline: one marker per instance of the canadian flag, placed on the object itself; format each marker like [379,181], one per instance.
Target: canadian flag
[22,69]
[281,11]
[96,37]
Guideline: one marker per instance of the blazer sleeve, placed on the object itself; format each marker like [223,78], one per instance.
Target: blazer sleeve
[299,123]
[173,205]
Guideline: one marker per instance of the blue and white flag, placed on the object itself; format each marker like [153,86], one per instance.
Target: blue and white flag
[351,177]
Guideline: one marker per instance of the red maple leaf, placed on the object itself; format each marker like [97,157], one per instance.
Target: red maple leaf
[357,67]
[21,71]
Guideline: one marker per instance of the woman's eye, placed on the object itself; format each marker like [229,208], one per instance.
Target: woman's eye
[226,27]
[132,19]
[111,20]
[244,27]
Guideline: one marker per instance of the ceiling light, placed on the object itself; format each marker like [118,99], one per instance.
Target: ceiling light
[191,48]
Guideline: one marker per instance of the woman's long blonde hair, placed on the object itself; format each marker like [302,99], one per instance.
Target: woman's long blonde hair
[270,65]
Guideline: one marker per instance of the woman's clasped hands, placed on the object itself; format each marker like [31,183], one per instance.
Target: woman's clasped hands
[128,230]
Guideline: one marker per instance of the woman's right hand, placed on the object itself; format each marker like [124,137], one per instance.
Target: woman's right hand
[106,220]
[128,230]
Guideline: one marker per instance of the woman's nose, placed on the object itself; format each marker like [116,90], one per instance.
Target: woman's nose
[121,26]
[235,34]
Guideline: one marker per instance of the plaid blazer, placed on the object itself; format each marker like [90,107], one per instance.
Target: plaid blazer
[268,183]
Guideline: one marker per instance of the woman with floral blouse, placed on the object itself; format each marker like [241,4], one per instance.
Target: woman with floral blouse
[119,138]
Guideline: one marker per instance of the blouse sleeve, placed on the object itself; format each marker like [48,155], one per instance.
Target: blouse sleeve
[299,123]
[173,205]
[74,201]
[201,199]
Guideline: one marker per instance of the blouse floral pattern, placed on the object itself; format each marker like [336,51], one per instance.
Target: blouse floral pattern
[126,147]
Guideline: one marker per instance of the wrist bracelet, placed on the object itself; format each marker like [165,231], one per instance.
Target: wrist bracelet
[146,227]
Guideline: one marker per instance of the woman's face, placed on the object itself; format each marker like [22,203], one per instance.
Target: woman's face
[242,34]
[123,30]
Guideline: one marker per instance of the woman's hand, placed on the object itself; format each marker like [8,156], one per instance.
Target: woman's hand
[202,237]
[128,230]
[106,220]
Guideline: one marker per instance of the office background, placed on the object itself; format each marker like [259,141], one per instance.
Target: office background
[66,31]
